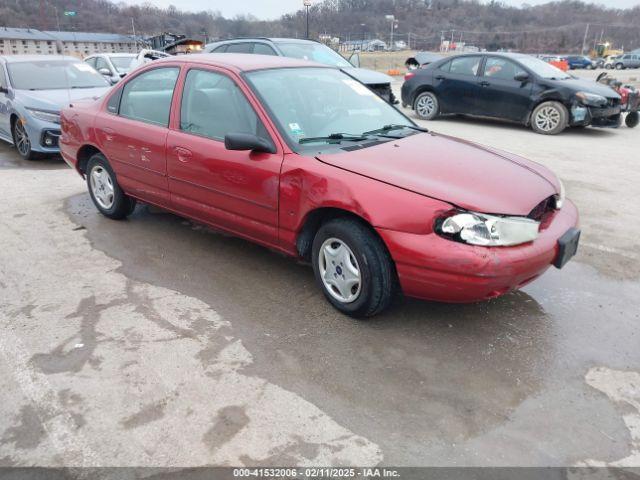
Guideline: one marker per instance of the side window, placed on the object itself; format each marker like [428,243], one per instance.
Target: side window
[148,96]
[465,65]
[446,66]
[626,57]
[220,49]
[501,68]
[114,102]
[91,61]
[263,49]
[244,47]
[101,63]
[213,105]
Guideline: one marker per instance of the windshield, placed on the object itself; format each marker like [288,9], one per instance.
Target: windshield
[308,103]
[543,69]
[316,52]
[122,64]
[54,75]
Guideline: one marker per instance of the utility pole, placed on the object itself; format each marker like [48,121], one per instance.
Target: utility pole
[133,27]
[584,40]
[391,19]
[307,4]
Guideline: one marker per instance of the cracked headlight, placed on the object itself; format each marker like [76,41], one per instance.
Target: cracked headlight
[591,99]
[46,115]
[487,230]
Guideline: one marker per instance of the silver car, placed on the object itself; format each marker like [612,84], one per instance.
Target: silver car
[33,89]
[113,66]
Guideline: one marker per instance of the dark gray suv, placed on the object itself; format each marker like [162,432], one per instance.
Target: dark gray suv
[379,83]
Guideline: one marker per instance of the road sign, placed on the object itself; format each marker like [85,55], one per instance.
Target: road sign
[70,14]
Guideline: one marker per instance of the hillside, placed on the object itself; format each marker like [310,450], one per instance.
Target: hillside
[421,22]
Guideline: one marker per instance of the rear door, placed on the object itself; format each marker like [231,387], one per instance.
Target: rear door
[502,96]
[132,132]
[235,190]
[456,84]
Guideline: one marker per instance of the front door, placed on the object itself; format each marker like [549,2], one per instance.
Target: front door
[502,95]
[456,85]
[235,190]
[132,133]
[5,103]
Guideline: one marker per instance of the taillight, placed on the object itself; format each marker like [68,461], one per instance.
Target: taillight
[409,75]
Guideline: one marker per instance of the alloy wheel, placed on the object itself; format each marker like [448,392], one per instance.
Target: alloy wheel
[23,144]
[102,186]
[339,270]
[547,119]
[425,106]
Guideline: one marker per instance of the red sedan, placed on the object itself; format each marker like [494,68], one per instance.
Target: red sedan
[305,160]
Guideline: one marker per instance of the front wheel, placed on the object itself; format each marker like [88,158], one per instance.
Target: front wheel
[22,141]
[549,118]
[619,66]
[353,268]
[105,192]
[632,119]
[426,106]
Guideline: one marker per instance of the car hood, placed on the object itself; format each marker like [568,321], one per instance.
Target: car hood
[368,77]
[56,100]
[462,173]
[581,85]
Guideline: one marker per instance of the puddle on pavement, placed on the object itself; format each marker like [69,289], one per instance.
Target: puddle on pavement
[420,375]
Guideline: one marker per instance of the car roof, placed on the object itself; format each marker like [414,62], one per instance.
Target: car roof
[32,58]
[263,39]
[241,62]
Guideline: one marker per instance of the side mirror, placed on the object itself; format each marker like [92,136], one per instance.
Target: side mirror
[4,90]
[521,77]
[247,141]
[105,71]
[354,60]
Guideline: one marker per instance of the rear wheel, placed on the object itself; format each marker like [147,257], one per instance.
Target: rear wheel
[22,141]
[105,192]
[549,118]
[353,268]
[426,106]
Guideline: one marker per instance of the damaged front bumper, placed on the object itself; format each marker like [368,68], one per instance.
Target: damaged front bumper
[606,117]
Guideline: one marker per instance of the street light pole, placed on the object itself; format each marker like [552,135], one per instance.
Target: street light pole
[392,19]
[307,4]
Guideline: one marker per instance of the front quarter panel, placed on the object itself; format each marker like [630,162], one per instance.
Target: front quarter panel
[307,184]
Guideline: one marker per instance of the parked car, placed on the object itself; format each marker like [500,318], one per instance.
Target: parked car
[556,61]
[627,60]
[33,89]
[610,61]
[380,83]
[113,66]
[580,61]
[513,87]
[385,205]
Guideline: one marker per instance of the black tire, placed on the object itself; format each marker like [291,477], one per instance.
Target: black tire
[22,142]
[557,114]
[376,271]
[121,205]
[426,106]
[619,66]
[632,119]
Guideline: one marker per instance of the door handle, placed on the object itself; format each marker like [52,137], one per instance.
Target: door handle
[484,83]
[440,77]
[183,154]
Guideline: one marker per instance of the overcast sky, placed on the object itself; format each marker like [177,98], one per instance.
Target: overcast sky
[268,9]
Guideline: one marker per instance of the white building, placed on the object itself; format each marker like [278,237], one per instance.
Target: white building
[18,41]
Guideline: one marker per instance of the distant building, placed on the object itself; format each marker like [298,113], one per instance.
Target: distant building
[19,41]
[364,45]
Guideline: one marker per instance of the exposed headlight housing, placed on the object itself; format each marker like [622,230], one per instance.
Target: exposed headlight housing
[591,99]
[46,115]
[559,197]
[487,230]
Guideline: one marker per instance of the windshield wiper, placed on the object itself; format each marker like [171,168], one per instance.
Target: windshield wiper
[394,126]
[337,137]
